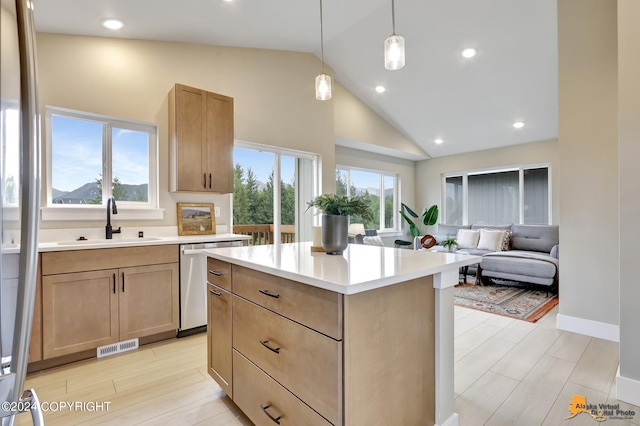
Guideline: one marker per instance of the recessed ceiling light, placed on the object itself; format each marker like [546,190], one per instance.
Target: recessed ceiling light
[518,124]
[438,141]
[380,89]
[112,23]
[469,53]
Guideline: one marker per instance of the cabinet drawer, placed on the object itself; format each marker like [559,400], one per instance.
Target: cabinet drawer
[314,307]
[64,262]
[305,362]
[259,397]
[219,273]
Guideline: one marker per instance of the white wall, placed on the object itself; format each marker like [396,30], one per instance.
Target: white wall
[629,172]
[429,172]
[273,93]
[588,145]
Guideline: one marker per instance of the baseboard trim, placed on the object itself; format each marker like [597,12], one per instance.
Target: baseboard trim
[451,421]
[601,330]
[627,390]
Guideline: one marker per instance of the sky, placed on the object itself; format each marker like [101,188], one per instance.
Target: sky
[261,164]
[77,153]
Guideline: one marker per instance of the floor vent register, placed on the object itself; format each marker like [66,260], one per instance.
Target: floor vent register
[117,348]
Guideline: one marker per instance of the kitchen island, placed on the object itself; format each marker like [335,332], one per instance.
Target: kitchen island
[362,338]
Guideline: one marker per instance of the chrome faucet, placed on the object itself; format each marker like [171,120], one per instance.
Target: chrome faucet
[111,207]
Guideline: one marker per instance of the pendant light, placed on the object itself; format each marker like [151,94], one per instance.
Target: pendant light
[323,81]
[394,45]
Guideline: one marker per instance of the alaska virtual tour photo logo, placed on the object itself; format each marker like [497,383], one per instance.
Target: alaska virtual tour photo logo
[599,412]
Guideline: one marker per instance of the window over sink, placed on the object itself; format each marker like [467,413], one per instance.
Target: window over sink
[91,157]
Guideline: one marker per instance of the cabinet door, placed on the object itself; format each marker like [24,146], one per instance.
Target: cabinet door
[79,311]
[219,337]
[219,143]
[189,139]
[148,300]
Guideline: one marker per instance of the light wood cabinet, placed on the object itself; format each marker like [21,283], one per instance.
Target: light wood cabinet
[148,301]
[219,337]
[104,304]
[80,311]
[201,141]
[303,355]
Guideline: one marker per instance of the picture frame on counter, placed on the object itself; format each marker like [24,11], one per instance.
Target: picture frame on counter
[196,218]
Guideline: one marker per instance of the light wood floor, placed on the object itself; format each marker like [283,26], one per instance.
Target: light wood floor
[507,372]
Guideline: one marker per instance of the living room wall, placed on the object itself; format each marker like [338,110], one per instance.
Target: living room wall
[588,146]
[429,172]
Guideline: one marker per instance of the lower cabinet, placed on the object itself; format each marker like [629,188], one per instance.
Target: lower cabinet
[265,401]
[219,337]
[80,312]
[293,354]
[85,310]
[148,302]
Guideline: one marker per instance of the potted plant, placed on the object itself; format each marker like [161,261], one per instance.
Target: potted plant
[429,217]
[450,243]
[336,210]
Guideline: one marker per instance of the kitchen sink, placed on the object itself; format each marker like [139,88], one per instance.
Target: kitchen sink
[105,241]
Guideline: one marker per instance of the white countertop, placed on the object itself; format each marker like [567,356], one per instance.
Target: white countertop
[132,242]
[360,268]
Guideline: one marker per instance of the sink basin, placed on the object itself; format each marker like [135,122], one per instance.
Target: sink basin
[105,241]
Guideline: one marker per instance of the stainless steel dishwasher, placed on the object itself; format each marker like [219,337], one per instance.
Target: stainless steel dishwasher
[193,285]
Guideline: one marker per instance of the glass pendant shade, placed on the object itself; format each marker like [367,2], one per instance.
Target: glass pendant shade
[394,52]
[323,87]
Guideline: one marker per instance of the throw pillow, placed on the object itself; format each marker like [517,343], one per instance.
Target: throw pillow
[506,241]
[491,239]
[468,238]
[373,241]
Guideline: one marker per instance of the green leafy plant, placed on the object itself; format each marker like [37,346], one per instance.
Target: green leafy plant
[450,243]
[331,204]
[429,217]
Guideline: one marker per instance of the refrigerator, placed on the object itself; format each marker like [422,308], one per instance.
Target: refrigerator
[19,205]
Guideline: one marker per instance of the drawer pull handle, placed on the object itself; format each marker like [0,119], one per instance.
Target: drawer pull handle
[216,273]
[205,180]
[215,293]
[264,410]
[264,343]
[267,293]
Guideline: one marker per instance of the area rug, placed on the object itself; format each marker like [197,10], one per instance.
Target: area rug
[509,301]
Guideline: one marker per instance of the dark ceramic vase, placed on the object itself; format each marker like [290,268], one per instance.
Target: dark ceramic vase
[334,233]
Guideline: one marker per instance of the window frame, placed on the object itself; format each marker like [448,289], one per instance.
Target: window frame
[301,231]
[126,209]
[520,168]
[396,195]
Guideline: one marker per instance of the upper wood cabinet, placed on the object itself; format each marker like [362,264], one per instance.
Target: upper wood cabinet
[201,141]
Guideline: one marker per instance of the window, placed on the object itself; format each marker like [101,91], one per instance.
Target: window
[270,212]
[518,195]
[376,186]
[10,154]
[92,157]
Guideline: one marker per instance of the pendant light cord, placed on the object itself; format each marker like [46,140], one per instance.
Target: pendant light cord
[393,17]
[321,40]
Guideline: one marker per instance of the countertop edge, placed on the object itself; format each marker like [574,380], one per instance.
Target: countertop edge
[182,239]
[341,288]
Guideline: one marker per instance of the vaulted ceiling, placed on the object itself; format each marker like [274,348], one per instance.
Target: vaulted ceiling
[471,104]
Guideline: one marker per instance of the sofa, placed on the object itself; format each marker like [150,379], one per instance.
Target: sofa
[526,254]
